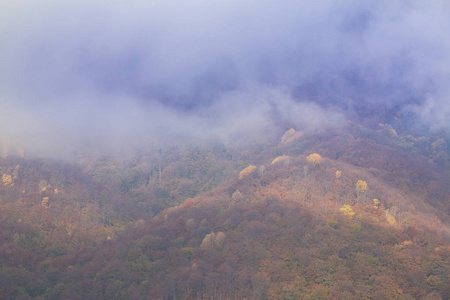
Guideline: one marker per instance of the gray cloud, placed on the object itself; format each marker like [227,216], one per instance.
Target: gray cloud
[115,73]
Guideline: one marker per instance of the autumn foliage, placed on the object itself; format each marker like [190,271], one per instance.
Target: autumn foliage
[247,171]
[291,135]
[7,180]
[347,211]
[181,224]
[281,159]
[314,158]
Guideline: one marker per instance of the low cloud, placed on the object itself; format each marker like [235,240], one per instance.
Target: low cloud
[111,75]
[126,124]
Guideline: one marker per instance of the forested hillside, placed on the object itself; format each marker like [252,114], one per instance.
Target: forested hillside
[361,213]
[238,149]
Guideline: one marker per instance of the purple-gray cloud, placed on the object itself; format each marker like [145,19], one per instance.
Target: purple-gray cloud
[111,73]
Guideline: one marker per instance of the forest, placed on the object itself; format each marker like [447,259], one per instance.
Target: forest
[239,149]
[355,214]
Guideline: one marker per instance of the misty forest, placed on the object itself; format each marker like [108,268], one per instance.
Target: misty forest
[225,149]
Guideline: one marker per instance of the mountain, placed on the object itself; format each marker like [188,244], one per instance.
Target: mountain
[224,149]
[354,213]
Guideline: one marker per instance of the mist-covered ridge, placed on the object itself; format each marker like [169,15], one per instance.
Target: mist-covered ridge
[103,75]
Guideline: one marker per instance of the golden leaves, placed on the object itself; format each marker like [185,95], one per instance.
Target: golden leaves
[43,186]
[247,171]
[347,211]
[7,180]
[376,202]
[361,189]
[45,203]
[314,158]
[291,135]
[283,158]
[361,186]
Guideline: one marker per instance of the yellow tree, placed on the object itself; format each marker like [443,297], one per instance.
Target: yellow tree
[361,188]
[7,180]
[247,171]
[44,202]
[347,211]
[283,158]
[314,159]
[43,185]
[291,135]
[376,202]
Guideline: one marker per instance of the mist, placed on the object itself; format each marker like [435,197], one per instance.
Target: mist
[102,75]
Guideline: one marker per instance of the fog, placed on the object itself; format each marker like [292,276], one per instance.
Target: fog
[100,75]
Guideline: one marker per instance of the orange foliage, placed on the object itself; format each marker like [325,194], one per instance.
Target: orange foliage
[44,202]
[376,202]
[347,211]
[43,186]
[314,158]
[7,180]
[361,188]
[283,158]
[247,171]
[291,135]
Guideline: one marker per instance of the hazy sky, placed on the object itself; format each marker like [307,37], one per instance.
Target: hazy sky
[114,73]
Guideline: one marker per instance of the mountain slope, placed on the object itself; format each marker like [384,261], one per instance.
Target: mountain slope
[337,215]
[281,235]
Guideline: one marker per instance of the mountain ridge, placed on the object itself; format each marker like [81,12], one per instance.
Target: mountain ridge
[277,222]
